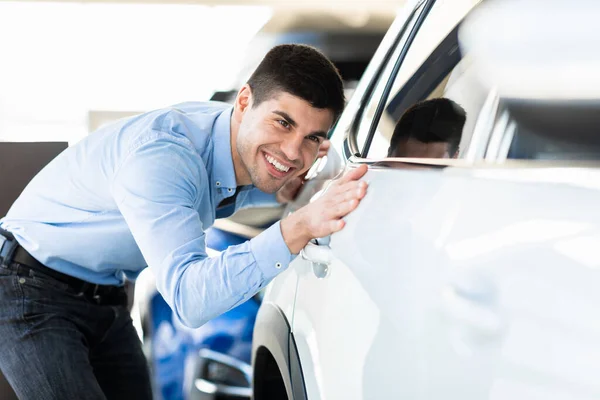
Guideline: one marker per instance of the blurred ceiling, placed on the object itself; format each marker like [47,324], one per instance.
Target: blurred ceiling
[331,20]
[294,15]
[356,5]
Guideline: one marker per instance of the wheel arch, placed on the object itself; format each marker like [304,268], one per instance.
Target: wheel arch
[273,346]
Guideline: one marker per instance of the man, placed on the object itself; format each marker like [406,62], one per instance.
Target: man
[142,192]
[429,129]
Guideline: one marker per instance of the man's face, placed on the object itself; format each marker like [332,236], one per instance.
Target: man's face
[279,139]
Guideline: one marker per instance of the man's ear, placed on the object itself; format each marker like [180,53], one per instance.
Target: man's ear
[243,101]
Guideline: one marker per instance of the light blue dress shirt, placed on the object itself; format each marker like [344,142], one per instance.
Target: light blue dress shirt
[141,192]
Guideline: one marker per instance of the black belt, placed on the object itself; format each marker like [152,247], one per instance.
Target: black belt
[21,256]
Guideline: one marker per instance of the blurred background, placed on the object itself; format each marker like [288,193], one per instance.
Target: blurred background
[70,66]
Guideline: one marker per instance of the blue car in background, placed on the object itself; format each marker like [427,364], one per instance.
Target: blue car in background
[210,362]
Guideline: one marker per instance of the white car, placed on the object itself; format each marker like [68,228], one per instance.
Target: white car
[473,277]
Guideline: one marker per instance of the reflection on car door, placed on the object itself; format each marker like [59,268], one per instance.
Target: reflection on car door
[362,326]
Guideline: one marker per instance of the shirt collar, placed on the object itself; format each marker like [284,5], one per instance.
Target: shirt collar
[223,172]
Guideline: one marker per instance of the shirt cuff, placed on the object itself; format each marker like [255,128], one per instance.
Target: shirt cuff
[270,252]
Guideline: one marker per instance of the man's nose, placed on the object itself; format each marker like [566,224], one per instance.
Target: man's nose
[291,147]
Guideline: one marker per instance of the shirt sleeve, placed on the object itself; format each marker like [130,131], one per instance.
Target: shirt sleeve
[156,190]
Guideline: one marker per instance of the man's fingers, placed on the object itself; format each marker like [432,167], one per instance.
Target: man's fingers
[354,174]
[352,190]
[336,225]
[345,207]
[341,199]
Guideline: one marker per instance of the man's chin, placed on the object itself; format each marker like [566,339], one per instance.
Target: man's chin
[269,184]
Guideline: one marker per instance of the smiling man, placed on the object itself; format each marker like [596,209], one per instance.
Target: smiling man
[142,192]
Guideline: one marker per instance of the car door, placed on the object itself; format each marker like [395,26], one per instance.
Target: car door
[361,322]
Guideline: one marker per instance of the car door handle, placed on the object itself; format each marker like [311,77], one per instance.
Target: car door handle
[319,255]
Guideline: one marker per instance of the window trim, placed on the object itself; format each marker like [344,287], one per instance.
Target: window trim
[351,148]
[390,83]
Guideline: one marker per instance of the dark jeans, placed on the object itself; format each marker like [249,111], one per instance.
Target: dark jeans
[56,343]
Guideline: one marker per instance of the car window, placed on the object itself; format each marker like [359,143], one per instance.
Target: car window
[434,98]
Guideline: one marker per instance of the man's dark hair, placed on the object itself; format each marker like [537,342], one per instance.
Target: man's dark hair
[435,120]
[301,71]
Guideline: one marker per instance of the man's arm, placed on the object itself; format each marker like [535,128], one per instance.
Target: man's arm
[155,189]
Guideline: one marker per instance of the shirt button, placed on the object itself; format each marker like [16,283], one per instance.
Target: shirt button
[22,281]
[218,183]
[278,265]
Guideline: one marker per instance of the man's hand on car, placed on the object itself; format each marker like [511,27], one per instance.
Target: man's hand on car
[323,216]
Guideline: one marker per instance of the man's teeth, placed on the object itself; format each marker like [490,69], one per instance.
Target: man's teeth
[277,165]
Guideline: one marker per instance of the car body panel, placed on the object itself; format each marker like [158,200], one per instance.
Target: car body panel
[459,291]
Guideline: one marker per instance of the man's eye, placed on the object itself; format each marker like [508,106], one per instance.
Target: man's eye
[314,138]
[284,123]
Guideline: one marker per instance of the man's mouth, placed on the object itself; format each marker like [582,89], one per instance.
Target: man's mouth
[275,167]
